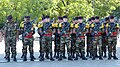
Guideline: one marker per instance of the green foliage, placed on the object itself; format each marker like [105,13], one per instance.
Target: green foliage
[54,8]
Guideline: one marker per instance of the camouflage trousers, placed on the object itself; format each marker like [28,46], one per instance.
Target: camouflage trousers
[89,46]
[73,41]
[57,44]
[97,42]
[112,41]
[64,40]
[46,44]
[28,42]
[104,44]
[80,45]
[10,43]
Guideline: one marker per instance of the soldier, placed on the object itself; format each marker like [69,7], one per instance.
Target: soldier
[112,32]
[46,39]
[73,37]
[10,30]
[89,44]
[65,39]
[104,38]
[80,39]
[27,35]
[56,32]
[97,39]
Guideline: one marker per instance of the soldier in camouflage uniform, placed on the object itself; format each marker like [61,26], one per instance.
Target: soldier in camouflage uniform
[97,39]
[73,36]
[47,40]
[64,38]
[56,32]
[80,39]
[21,32]
[10,30]
[89,38]
[27,35]
[112,32]
[104,38]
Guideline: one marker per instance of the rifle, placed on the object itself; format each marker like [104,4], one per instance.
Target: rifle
[110,28]
[46,27]
[80,29]
[28,29]
[64,29]
[96,28]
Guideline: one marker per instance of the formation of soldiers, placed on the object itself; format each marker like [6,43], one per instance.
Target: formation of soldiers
[100,36]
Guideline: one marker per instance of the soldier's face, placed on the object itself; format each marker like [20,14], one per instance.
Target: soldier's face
[73,21]
[65,19]
[80,20]
[111,20]
[10,20]
[93,20]
[96,20]
[27,19]
[59,20]
[76,21]
[48,19]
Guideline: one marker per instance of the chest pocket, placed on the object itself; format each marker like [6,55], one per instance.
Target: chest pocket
[11,29]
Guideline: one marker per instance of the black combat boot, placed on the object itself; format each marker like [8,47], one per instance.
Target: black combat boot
[73,54]
[76,58]
[25,57]
[100,57]
[93,57]
[51,58]
[90,55]
[5,57]
[64,57]
[57,55]
[42,57]
[115,57]
[8,58]
[69,57]
[87,54]
[15,59]
[60,58]
[109,57]
[47,55]
[83,57]
[31,57]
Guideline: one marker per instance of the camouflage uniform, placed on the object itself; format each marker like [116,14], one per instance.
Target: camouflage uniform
[28,31]
[73,38]
[80,41]
[112,29]
[46,43]
[97,40]
[56,39]
[89,42]
[104,39]
[10,39]
[65,40]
